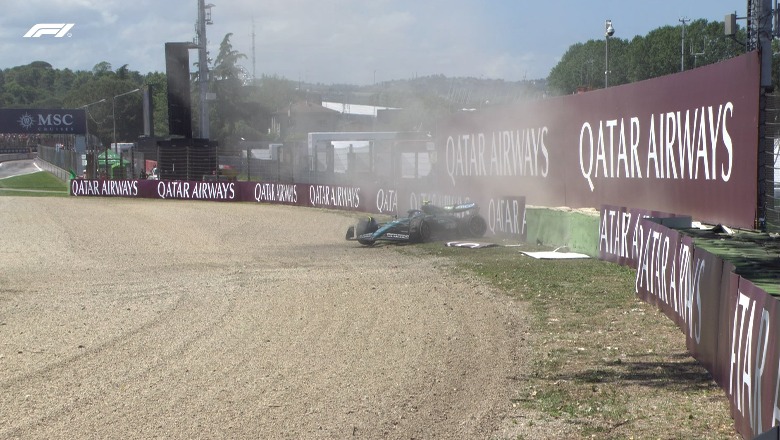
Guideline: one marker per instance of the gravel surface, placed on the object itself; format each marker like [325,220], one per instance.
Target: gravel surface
[128,318]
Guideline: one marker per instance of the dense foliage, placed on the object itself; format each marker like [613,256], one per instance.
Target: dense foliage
[658,53]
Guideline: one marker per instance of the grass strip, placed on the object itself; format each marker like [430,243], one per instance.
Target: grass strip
[604,364]
[40,184]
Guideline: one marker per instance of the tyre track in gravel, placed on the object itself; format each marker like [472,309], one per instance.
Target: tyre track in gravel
[37,393]
[205,320]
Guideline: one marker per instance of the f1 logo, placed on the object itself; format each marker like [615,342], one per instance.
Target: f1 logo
[59,30]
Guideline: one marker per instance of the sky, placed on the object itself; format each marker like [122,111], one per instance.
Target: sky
[357,42]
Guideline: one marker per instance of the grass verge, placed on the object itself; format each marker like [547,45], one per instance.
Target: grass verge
[604,364]
[40,184]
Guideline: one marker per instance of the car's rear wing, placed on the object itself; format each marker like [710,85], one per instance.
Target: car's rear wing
[463,207]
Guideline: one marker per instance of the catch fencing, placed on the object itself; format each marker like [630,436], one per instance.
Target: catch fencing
[64,159]
[769,163]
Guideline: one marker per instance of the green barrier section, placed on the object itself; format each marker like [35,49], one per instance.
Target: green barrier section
[558,227]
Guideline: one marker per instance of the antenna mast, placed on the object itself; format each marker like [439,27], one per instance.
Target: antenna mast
[254,66]
[204,18]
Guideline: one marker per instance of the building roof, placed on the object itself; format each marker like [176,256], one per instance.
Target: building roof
[308,107]
[354,109]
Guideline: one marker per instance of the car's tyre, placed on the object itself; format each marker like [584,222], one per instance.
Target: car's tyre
[477,226]
[420,230]
[366,226]
[425,231]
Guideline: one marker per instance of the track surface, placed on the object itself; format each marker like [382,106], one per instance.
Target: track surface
[17,168]
[139,319]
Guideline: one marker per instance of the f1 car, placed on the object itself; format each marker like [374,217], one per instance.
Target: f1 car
[421,225]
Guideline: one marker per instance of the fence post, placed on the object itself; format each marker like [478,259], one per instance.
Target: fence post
[248,167]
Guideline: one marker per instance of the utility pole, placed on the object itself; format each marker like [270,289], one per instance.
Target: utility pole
[683,20]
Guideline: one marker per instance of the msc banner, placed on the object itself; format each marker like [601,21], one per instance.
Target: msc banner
[42,121]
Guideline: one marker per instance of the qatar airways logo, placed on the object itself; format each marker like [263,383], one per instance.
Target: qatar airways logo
[693,144]
[58,30]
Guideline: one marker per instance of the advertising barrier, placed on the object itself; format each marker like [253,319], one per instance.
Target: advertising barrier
[730,324]
[318,196]
[620,233]
[683,143]
[505,215]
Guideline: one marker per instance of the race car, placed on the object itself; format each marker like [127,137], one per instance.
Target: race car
[422,225]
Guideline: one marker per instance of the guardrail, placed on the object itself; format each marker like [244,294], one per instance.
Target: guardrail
[61,174]
[16,156]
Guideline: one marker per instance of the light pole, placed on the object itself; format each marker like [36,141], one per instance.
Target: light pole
[113,114]
[683,20]
[113,117]
[86,130]
[608,32]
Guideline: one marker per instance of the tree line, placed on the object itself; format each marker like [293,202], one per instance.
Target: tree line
[660,52]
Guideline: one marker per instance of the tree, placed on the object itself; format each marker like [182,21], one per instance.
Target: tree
[159,83]
[102,68]
[122,72]
[64,80]
[274,93]
[227,84]
[583,66]
[656,54]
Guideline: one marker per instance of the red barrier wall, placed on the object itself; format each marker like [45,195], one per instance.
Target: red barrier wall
[684,143]
[504,213]
[730,325]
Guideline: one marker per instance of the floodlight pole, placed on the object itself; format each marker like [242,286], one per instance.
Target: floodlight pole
[113,114]
[113,118]
[86,131]
[608,32]
[684,21]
